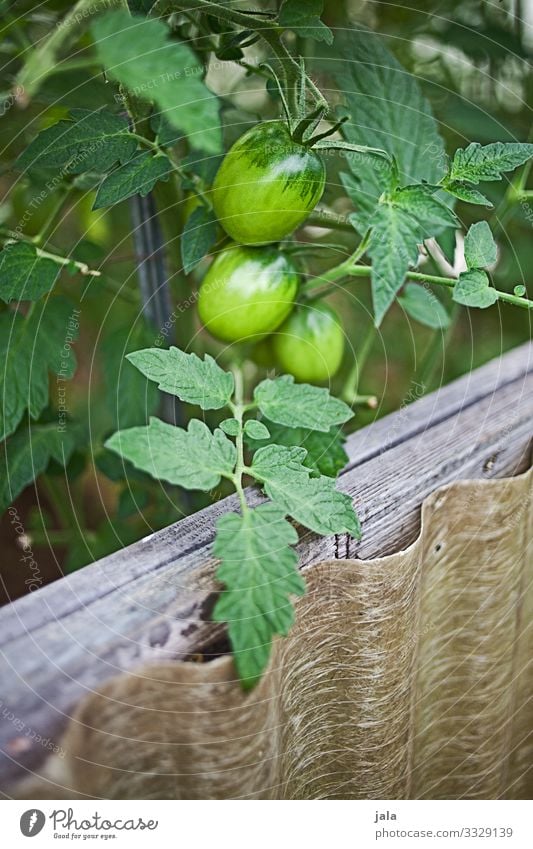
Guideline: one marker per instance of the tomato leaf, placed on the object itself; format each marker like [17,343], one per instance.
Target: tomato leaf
[140,54]
[300,404]
[193,380]
[480,248]
[393,248]
[194,458]
[313,501]
[303,17]
[466,193]
[325,452]
[388,111]
[473,290]
[424,306]
[399,223]
[432,214]
[26,455]
[89,141]
[230,426]
[198,237]
[30,347]
[256,430]
[259,570]
[136,177]
[24,275]
[478,163]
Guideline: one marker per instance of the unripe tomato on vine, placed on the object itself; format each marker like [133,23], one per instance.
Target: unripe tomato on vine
[267,185]
[247,292]
[310,343]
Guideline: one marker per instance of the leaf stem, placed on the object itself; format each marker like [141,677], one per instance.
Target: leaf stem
[328,220]
[10,236]
[238,408]
[343,269]
[175,167]
[347,269]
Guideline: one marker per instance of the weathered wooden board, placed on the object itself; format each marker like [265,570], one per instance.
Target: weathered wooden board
[152,600]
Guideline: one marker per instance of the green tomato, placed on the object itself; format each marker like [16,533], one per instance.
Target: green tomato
[267,185]
[247,292]
[310,344]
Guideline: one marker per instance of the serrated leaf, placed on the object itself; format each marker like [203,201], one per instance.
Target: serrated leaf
[130,398]
[26,455]
[136,177]
[325,452]
[193,380]
[30,348]
[473,290]
[198,237]
[477,163]
[140,54]
[256,430]
[431,213]
[303,17]
[387,111]
[90,141]
[363,194]
[24,275]
[300,405]
[230,426]
[466,193]
[194,458]
[393,248]
[313,501]
[259,570]
[424,306]
[480,248]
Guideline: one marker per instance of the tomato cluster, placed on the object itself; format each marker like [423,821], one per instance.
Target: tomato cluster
[265,188]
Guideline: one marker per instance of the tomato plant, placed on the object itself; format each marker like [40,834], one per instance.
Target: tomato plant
[152,219]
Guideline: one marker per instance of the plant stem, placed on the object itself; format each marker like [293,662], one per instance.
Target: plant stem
[328,220]
[238,409]
[268,30]
[10,236]
[431,357]
[350,393]
[450,282]
[346,269]
[176,168]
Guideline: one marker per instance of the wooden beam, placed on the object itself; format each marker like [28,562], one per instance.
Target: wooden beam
[152,600]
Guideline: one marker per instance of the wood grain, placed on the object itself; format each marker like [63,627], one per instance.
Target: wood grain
[152,600]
